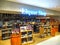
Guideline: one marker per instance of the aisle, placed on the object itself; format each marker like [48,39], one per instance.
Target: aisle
[52,41]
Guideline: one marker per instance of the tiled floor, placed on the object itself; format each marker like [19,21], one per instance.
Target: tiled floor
[37,40]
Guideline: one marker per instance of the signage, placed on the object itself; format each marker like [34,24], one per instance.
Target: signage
[32,12]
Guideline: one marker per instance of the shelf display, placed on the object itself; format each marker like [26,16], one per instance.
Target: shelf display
[30,39]
[26,34]
[6,33]
[23,28]
[24,40]
[30,33]
[36,28]
[54,26]
[5,30]
[23,34]
[45,24]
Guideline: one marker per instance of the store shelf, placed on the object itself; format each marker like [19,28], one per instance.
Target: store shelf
[5,38]
[24,40]
[29,30]
[30,35]
[24,43]
[25,34]
[30,41]
[23,31]
[6,30]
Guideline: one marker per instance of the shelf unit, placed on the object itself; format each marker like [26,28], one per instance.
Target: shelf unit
[47,31]
[45,23]
[26,35]
[54,23]
[6,30]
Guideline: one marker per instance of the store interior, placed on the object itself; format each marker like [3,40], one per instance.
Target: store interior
[22,24]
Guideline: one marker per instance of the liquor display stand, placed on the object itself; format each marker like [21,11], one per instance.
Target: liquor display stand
[54,26]
[47,31]
[45,24]
[26,35]
[5,31]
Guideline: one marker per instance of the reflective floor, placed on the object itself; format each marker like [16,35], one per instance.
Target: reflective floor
[52,41]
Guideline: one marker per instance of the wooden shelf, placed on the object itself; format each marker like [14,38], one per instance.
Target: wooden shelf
[25,37]
[29,33]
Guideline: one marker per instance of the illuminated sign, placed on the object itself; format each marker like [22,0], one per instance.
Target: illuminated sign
[32,12]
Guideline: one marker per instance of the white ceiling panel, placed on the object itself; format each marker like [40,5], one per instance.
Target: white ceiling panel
[50,4]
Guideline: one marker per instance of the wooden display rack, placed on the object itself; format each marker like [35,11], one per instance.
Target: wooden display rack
[54,26]
[26,36]
[45,24]
[6,31]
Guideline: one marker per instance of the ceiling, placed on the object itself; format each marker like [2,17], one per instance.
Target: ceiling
[49,4]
